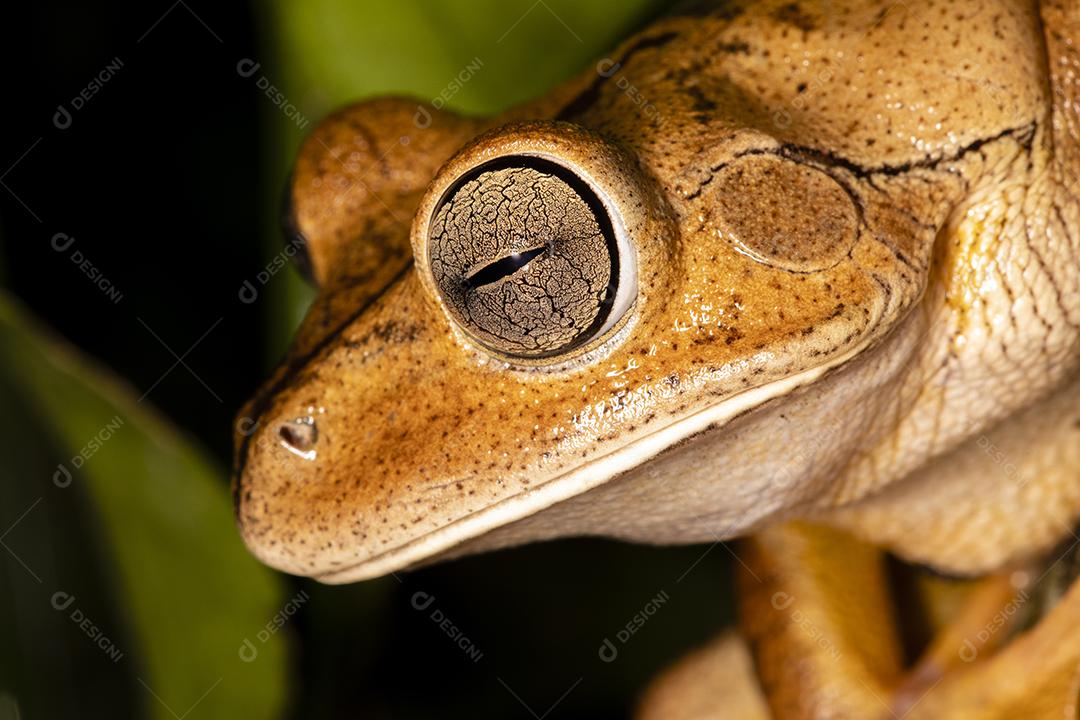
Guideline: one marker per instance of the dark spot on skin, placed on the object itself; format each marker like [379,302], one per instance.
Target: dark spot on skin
[701,102]
[792,14]
[395,332]
[735,47]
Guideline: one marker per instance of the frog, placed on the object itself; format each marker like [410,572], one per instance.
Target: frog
[764,264]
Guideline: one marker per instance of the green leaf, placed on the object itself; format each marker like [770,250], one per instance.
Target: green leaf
[86,451]
[336,51]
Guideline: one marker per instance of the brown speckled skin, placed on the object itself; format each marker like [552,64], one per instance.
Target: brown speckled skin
[931,292]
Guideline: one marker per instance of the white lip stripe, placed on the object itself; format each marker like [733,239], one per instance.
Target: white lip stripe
[577,481]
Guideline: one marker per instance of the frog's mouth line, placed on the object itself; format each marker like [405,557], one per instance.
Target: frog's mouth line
[579,480]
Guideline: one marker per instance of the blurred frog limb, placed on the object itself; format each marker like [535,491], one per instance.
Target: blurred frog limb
[825,619]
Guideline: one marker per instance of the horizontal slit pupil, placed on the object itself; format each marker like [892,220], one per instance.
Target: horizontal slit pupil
[503,267]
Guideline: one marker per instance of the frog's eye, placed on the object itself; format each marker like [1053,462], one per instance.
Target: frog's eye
[528,259]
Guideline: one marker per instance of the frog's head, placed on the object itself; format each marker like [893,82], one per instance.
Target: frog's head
[667,315]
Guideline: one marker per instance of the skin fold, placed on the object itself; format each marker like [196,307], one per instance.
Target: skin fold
[821,266]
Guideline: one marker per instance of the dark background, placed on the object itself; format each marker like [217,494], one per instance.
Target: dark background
[162,180]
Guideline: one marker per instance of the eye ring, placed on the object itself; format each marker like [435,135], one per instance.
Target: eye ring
[527,290]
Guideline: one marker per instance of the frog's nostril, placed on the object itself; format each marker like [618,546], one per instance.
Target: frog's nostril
[299,436]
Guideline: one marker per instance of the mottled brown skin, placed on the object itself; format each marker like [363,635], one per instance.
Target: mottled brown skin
[854,234]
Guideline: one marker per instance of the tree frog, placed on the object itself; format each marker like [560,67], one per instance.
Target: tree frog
[764,262]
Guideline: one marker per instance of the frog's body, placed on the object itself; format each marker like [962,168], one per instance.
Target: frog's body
[844,284]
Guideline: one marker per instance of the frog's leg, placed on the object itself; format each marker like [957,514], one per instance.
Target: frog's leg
[818,621]
[821,621]
[816,611]
[716,681]
[835,651]
[820,612]
[1035,675]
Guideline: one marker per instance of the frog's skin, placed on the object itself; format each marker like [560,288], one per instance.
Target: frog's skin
[849,257]
[848,360]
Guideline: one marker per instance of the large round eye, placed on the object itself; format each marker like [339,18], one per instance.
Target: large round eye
[526,258]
